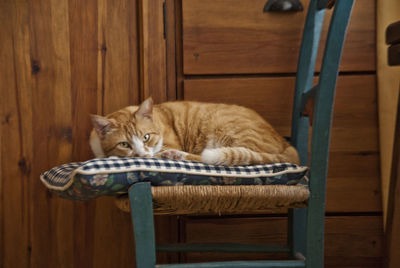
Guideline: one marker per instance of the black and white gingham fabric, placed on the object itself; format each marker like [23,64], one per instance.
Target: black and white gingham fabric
[60,176]
[109,175]
[113,165]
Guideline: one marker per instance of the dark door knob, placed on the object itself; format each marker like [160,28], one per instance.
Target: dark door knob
[283,6]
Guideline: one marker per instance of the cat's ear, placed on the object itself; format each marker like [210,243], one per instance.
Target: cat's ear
[145,110]
[101,124]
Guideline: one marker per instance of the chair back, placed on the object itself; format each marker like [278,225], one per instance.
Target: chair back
[304,240]
[324,91]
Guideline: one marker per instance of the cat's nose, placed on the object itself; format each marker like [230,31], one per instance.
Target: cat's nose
[133,154]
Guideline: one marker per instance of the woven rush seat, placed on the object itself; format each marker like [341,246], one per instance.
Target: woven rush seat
[222,200]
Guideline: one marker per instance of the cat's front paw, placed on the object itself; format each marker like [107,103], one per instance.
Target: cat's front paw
[173,154]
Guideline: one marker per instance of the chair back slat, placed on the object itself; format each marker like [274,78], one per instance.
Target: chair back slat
[324,100]
[305,75]
[328,76]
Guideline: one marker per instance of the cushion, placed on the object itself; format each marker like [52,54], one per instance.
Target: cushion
[113,176]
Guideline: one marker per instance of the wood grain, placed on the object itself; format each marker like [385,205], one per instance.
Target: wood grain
[153,50]
[64,60]
[15,149]
[354,167]
[178,48]
[171,48]
[236,37]
[52,132]
[118,57]
[83,28]
[52,106]
[346,244]
[353,183]
[118,86]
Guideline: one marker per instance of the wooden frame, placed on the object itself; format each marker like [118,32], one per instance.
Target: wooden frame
[392,233]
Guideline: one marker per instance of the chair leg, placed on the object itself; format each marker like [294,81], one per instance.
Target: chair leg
[143,224]
[315,233]
[297,230]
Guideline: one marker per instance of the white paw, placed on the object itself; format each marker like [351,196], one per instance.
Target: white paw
[173,154]
[212,157]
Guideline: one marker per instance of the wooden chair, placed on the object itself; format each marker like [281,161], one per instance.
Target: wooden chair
[305,244]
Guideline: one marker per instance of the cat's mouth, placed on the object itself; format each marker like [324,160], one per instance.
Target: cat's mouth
[140,155]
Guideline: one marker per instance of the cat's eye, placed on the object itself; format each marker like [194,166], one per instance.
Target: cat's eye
[125,144]
[146,137]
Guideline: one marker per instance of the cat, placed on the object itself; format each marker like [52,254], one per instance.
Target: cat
[216,134]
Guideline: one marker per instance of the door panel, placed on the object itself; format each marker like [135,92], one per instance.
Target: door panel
[236,37]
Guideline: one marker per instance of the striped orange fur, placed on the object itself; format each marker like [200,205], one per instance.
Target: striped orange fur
[218,134]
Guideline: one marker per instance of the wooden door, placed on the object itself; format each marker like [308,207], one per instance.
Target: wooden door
[230,51]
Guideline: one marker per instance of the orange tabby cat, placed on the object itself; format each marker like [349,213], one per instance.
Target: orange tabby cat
[217,134]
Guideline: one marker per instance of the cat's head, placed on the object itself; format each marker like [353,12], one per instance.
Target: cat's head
[129,132]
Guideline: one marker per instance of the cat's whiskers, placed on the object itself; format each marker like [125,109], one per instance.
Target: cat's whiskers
[154,150]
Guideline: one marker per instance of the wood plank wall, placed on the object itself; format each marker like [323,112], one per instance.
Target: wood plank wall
[61,61]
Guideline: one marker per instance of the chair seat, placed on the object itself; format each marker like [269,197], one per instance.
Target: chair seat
[227,199]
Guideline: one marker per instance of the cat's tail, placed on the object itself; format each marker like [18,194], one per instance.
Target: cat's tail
[243,156]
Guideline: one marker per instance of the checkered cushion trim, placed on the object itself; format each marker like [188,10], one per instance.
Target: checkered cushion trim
[115,165]
[60,176]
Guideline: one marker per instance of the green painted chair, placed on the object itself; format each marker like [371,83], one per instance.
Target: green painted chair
[305,243]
